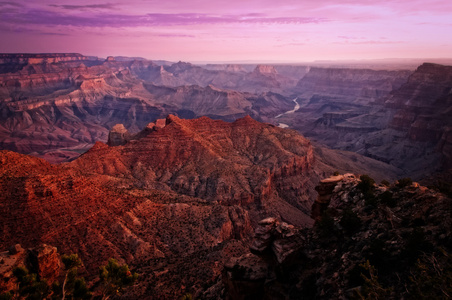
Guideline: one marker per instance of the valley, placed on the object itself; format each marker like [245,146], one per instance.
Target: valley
[223,181]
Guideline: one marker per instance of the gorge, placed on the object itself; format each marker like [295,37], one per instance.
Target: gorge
[205,179]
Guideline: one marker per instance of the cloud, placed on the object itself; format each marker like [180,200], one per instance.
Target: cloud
[85,7]
[175,35]
[345,37]
[7,3]
[50,18]
[370,42]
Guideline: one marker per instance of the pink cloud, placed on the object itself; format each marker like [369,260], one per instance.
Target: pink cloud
[290,30]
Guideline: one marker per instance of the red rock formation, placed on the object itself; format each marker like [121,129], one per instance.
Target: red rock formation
[60,105]
[44,261]
[325,190]
[179,196]
[239,163]
[423,103]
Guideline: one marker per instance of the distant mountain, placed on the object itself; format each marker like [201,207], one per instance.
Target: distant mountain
[57,109]
[57,106]
[393,116]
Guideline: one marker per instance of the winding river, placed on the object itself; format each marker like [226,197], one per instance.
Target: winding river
[297,106]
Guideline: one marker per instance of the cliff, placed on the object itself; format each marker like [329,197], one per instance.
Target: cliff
[352,84]
[240,163]
[371,240]
[57,106]
[174,201]
[29,58]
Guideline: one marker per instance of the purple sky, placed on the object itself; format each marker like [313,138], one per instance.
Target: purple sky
[232,30]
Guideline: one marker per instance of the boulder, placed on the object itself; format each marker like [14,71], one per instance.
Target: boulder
[44,261]
[17,248]
[118,135]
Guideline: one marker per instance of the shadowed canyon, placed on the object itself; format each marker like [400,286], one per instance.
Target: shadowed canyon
[216,181]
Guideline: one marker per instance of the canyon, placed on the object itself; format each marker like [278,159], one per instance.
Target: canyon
[57,106]
[174,201]
[214,180]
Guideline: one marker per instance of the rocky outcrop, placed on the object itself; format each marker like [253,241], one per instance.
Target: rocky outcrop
[275,247]
[325,190]
[43,260]
[280,240]
[118,135]
[239,163]
[399,232]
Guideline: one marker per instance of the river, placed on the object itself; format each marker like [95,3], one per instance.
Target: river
[297,106]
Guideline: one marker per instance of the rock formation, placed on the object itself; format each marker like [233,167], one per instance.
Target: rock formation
[397,241]
[325,190]
[118,135]
[57,106]
[43,260]
[401,123]
[239,163]
[175,201]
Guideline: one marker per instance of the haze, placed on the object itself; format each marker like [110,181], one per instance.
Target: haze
[233,30]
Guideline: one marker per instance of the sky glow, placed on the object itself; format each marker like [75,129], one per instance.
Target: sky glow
[233,30]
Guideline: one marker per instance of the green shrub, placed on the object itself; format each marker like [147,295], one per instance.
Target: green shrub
[73,287]
[115,277]
[403,182]
[29,285]
[350,221]
[431,278]
[366,184]
[386,198]
[326,224]
[385,182]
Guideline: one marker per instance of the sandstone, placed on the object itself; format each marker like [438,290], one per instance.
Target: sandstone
[15,249]
[44,261]
[118,135]
[215,161]
[325,190]
[322,263]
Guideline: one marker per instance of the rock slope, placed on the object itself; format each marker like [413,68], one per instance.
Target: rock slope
[408,127]
[240,163]
[175,201]
[57,106]
[380,242]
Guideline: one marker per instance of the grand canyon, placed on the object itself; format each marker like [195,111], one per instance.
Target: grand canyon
[234,150]
[217,181]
